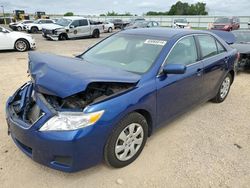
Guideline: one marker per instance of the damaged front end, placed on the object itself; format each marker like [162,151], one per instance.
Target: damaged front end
[23,106]
[94,93]
[244,61]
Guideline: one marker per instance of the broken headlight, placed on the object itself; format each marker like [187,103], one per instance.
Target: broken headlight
[67,121]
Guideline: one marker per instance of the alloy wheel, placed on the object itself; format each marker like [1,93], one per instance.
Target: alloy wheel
[129,141]
[225,87]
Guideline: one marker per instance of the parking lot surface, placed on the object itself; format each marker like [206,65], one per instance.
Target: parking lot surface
[206,147]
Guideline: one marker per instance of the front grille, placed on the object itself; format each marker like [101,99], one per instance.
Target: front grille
[46,31]
[219,26]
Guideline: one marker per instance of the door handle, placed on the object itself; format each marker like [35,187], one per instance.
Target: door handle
[199,72]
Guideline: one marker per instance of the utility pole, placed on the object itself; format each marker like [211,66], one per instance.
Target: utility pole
[3,15]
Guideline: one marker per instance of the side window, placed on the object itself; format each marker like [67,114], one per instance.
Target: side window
[150,24]
[221,49]
[49,21]
[75,23]
[83,22]
[208,46]
[184,52]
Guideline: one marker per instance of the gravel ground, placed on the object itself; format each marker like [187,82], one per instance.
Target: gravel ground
[207,147]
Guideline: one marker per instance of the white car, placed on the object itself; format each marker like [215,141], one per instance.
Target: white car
[37,25]
[19,26]
[181,23]
[16,40]
[108,27]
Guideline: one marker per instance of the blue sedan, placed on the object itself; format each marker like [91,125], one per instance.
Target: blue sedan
[106,102]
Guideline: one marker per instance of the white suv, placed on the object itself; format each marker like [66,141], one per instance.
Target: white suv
[37,25]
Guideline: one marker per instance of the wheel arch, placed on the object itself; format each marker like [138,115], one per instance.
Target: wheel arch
[146,114]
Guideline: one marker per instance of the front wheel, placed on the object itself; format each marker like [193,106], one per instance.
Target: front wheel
[110,30]
[96,33]
[224,89]
[21,45]
[127,141]
[34,30]
[19,28]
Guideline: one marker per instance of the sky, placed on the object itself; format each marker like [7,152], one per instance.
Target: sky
[96,7]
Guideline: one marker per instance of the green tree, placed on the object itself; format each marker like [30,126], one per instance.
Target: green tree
[180,8]
[69,14]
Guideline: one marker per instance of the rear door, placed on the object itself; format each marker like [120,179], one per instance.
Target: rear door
[214,58]
[84,28]
[178,92]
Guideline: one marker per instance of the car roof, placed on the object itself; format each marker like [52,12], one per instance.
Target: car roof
[74,17]
[162,32]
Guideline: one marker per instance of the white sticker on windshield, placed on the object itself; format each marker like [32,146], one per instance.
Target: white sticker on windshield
[155,42]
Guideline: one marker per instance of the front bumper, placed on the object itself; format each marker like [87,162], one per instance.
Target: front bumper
[32,44]
[67,151]
[50,37]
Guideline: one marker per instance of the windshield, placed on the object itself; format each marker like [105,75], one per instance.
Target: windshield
[181,21]
[127,52]
[36,22]
[242,36]
[63,22]
[140,24]
[222,20]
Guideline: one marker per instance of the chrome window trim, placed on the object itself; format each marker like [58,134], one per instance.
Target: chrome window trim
[192,35]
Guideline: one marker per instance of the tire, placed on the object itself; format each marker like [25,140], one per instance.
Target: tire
[63,37]
[224,89]
[110,30]
[96,33]
[19,28]
[34,30]
[125,145]
[21,45]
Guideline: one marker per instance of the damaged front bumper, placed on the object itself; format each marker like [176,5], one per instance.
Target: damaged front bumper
[50,37]
[69,151]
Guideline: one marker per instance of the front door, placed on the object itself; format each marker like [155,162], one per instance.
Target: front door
[178,92]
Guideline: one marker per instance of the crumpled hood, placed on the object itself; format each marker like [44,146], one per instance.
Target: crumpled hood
[242,48]
[52,26]
[65,76]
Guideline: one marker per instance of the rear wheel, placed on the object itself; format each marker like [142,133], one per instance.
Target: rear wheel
[21,45]
[224,89]
[96,33]
[127,141]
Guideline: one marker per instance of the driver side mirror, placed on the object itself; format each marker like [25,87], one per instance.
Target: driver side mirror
[174,69]
[71,26]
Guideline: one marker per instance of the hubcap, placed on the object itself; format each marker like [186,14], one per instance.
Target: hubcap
[21,45]
[129,142]
[225,87]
